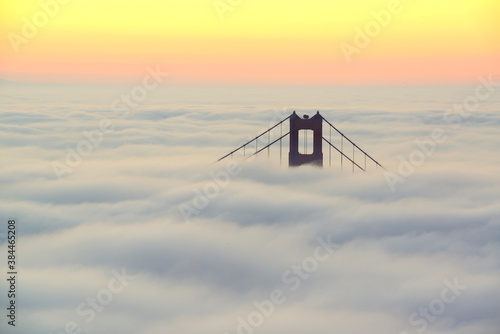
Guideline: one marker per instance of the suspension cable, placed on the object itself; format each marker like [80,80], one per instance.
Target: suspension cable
[248,142]
[343,154]
[344,136]
[262,149]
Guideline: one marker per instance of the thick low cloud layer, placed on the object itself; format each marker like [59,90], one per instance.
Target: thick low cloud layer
[123,210]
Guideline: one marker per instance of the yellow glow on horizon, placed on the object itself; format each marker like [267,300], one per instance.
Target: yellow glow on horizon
[255,32]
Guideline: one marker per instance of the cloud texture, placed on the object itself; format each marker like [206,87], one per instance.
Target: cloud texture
[118,210]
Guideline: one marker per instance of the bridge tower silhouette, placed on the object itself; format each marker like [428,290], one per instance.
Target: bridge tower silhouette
[297,132]
[297,124]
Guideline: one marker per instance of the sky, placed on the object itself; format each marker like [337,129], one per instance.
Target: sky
[427,244]
[251,41]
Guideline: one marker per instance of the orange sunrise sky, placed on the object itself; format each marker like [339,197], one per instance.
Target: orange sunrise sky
[251,41]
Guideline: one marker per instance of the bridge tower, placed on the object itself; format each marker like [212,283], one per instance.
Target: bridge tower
[315,123]
[298,126]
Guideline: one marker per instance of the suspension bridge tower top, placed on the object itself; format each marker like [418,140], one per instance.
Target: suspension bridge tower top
[297,134]
[297,124]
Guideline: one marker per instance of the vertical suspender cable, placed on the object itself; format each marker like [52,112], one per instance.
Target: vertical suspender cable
[330,148]
[353,158]
[342,151]
[281,135]
[268,147]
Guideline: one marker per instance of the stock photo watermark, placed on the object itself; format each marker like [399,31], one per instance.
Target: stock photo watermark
[436,307]
[224,6]
[121,107]
[211,189]
[87,309]
[363,36]
[454,119]
[292,279]
[219,180]
[32,25]
[12,270]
